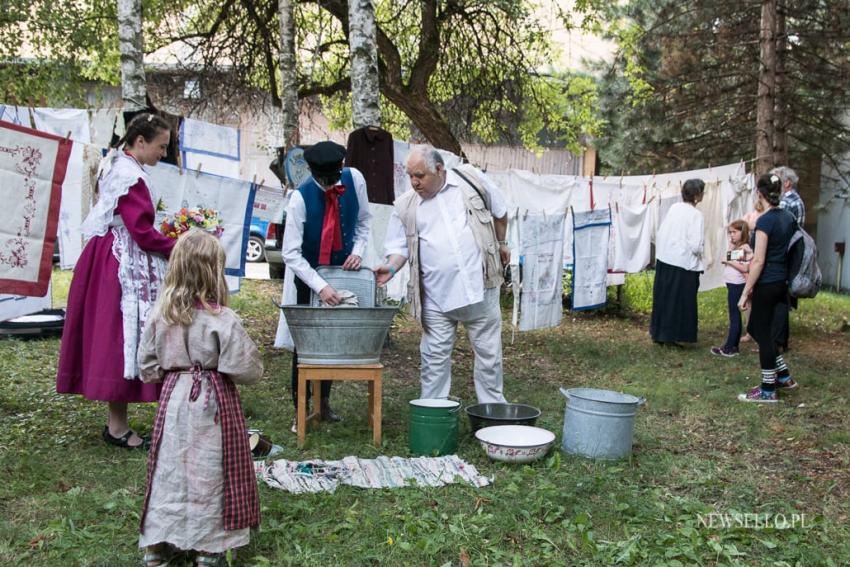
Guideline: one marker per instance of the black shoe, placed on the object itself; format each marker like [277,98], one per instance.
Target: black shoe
[124,440]
[328,414]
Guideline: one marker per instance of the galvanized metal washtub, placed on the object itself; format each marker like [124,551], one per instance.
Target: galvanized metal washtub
[599,424]
[339,335]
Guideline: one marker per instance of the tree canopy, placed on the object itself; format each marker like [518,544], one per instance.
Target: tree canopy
[451,69]
[690,75]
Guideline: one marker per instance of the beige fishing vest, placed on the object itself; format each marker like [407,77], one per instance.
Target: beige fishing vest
[483,231]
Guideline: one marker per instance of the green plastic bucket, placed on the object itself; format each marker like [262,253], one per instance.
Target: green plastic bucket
[433,426]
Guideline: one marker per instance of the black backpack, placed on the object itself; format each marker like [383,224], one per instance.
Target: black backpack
[804,276]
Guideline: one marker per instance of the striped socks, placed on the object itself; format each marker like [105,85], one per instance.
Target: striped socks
[781,368]
[768,380]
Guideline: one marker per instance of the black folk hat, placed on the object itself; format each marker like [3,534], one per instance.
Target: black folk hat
[325,158]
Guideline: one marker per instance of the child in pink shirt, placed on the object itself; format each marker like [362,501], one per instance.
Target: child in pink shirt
[737,265]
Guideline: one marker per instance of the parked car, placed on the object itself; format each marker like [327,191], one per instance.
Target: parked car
[274,239]
[255,249]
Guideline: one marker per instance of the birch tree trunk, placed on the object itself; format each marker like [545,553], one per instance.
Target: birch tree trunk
[767,87]
[362,41]
[289,82]
[131,45]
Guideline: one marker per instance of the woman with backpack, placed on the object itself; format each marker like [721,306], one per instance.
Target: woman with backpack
[766,287]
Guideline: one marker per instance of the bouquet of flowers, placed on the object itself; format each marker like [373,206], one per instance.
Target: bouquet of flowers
[184,219]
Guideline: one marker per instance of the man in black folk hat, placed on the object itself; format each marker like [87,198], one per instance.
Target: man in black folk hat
[327,224]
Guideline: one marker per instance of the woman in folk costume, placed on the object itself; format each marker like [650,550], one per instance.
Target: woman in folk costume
[201,486]
[116,281]
[678,253]
[327,224]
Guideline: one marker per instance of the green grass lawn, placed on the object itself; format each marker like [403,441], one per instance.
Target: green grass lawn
[66,498]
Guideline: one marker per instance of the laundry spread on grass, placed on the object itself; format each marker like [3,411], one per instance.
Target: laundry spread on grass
[303,477]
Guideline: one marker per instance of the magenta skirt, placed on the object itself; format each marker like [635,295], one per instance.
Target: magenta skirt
[91,360]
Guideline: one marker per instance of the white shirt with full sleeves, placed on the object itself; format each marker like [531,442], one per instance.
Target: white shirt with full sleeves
[293,236]
[681,238]
[449,259]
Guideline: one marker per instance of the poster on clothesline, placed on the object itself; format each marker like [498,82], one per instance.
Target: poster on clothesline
[232,198]
[61,122]
[210,148]
[591,231]
[541,249]
[269,203]
[32,169]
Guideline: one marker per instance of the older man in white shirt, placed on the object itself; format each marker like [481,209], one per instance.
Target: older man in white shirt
[451,228]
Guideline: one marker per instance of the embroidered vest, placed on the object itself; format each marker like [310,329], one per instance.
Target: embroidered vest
[314,204]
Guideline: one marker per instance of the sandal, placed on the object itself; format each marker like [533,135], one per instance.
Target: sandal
[163,557]
[124,440]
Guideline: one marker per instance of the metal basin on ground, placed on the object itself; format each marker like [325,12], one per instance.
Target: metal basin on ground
[515,443]
[338,335]
[487,415]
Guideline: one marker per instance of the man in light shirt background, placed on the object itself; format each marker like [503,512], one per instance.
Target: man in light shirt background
[451,228]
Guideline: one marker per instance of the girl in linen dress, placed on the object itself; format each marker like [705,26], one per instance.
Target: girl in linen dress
[116,282]
[201,487]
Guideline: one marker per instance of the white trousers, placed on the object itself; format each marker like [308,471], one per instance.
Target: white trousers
[483,324]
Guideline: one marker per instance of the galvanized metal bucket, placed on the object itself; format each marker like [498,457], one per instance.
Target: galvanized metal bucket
[338,335]
[599,424]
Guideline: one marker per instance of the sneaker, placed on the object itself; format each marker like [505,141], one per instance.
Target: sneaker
[759,396]
[786,383]
[724,351]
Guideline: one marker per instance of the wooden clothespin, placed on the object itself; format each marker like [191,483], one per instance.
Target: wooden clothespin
[254,180]
[198,173]
[263,180]
[68,136]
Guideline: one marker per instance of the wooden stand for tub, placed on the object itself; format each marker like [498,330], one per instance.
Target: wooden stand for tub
[316,372]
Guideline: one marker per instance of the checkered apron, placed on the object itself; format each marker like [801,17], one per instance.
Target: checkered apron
[241,498]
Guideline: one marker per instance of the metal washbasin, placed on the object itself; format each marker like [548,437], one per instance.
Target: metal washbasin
[339,335]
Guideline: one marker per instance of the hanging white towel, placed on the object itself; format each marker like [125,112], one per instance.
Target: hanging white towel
[12,306]
[713,210]
[590,258]
[15,114]
[401,181]
[60,122]
[210,147]
[541,250]
[631,238]
[396,288]
[232,198]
